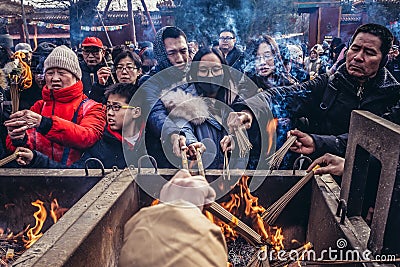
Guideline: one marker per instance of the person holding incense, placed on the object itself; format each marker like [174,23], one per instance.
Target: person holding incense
[65,122]
[128,67]
[322,107]
[93,54]
[196,240]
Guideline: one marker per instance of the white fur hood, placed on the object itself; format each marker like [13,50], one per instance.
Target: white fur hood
[185,105]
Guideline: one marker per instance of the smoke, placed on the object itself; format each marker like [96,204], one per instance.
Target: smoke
[247,18]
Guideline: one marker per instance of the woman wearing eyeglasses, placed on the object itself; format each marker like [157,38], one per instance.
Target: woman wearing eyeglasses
[266,70]
[265,66]
[202,109]
[127,69]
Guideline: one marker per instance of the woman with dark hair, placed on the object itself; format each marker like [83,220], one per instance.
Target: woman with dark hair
[202,109]
[266,68]
[128,69]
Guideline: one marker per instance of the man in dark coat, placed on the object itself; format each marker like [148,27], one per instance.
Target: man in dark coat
[233,54]
[93,60]
[172,54]
[326,102]
[361,83]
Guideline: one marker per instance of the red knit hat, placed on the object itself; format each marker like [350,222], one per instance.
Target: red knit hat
[92,41]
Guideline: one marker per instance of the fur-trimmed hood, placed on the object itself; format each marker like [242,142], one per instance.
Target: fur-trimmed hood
[181,104]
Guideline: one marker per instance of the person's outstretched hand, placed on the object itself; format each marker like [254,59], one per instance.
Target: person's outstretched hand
[183,186]
[330,164]
[304,143]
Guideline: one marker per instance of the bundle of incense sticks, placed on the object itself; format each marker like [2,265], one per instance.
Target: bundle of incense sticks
[10,158]
[15,93]
[243,141]
[200,162]
[112,76]
[243,229]
[185,164]
[273,211]
[275,159]
[226,174]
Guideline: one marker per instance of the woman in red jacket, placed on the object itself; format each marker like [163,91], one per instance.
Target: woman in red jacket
[65,122]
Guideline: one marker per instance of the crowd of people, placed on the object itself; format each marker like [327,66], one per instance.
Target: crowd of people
[177,95]
[190,96]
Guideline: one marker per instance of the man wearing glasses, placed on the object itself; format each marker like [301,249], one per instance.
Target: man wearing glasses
[93,60]
[233,54]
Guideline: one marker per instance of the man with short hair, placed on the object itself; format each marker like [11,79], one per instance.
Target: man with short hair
[172,55]
[93,61]
[361,83]
[227,44]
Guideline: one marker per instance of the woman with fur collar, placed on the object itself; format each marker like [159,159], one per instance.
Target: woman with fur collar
[202,108]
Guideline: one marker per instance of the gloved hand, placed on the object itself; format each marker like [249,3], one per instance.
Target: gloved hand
[193,189]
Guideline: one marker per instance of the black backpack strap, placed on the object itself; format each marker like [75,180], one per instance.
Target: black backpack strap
[74,120]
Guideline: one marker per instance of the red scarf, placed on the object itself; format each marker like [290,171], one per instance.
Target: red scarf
[120,138]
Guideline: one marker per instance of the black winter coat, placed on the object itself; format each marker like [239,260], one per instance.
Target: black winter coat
[326,104]
[87,80]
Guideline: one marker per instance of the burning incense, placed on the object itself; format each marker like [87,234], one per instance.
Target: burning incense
[243,142]
[15,93]
[243,229]
[275,159]
[10,158]
[273,211]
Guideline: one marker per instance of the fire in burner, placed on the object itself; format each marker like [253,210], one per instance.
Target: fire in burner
[13,246]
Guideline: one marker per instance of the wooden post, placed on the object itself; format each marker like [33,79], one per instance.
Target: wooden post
[131,20]
[24,21]
[146,11]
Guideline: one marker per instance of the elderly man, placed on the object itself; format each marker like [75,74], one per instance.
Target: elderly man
[325,103]
[93,62]
[65,122]
[361,83]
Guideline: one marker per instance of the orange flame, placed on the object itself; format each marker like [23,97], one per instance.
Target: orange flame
[245,206]
[277,239]
[55,211]
[155,202]
[271,129]
[34,233]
